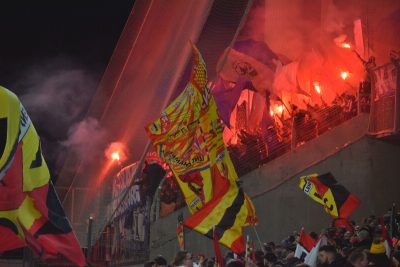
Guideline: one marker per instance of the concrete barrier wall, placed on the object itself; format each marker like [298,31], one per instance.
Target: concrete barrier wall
[369,168]
[271,175]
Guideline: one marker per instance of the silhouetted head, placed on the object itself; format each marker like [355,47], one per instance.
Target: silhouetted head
[152,175]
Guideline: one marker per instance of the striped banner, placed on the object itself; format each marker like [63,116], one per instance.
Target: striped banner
[30,211]
[188,135]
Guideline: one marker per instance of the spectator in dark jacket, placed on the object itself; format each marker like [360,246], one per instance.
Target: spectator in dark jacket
[329,257]
[270,259]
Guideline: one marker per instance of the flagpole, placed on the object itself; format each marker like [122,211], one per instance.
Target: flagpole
[258,237]
[392,221]
[246,255]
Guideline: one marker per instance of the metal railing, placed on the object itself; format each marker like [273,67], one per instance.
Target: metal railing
[255,149]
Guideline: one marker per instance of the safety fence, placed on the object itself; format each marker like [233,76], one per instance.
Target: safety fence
[254,149]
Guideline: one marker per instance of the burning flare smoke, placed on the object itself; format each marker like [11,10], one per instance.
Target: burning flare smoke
[116,151]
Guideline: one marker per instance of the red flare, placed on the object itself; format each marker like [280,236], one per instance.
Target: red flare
[317,88]
[344,75]
[116,151]
[346,45]
[115,156]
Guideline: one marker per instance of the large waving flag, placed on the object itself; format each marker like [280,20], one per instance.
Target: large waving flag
[188,148]
[335,198]
[188,135]
[251,58]
[30,211]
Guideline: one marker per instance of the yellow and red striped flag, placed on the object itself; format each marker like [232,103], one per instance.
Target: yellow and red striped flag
[335,198]
[229,211]
[188,135]
[30,211]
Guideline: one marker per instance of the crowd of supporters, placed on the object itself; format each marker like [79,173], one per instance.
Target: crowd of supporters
[256,148]
[359,245]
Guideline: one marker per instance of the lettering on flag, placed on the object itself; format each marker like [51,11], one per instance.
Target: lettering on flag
[30,211]
[188,135]
[195,151]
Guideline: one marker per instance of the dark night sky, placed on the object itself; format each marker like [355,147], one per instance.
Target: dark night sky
[35,31]
[57,49]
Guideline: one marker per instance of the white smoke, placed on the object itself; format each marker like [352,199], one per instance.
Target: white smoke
[86,139]
[59,97]
[56,95]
